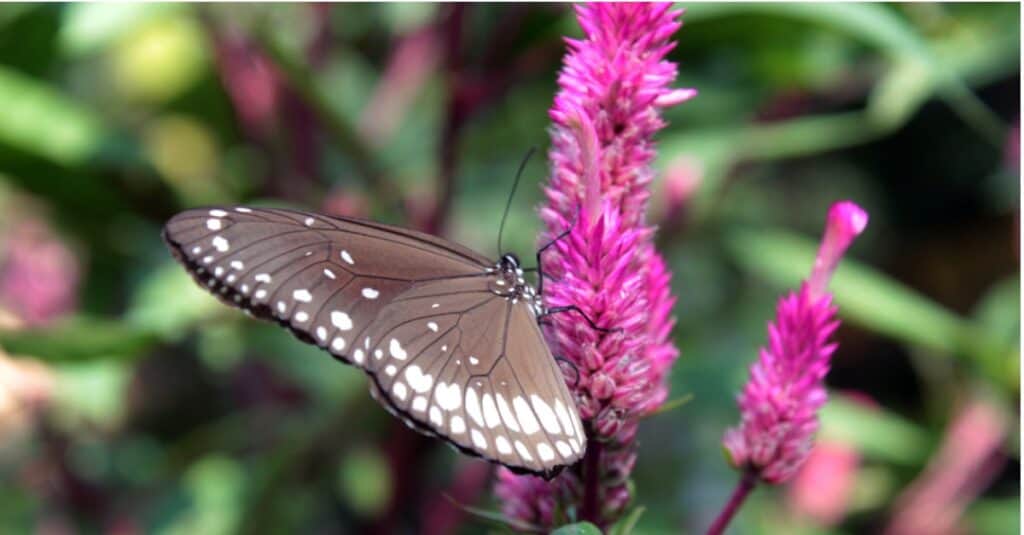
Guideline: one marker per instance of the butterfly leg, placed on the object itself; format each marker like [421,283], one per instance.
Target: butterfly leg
[575,369]
[573,308]
[545,247]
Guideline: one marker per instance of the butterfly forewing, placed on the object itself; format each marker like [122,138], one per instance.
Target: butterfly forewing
[417,313]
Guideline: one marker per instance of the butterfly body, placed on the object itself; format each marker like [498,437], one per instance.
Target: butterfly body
[448,337]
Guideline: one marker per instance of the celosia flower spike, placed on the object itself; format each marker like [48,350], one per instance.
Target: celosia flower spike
[780,402]
[613,85]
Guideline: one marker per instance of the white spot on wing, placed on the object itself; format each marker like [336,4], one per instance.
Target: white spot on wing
[503,446]
[457,425]
[545,451]
[449,396]
[237,265]
[563,449]
[435,416]
[399,390]
[221,244]
[303,295]
[419,404]
[478,439]
[358,356]
[338,343]
[419,381]
[321,333]
[347,257]
[301,316]
[474,361]
[391,370]
[329,274]
[546,415]
[370,293]
[341,320]
[213,224]
[524,452]
[525,416]
[396,351]
[506,413]
[309,221]
[563,416]
[473,406]
[218,213]
[243,210]
[490,412]
[432,326]
[263,277]
[260,294]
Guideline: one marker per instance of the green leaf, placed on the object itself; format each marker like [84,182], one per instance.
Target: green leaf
[46,123]
[168,302]
[79,339]
[880,27]
[495,517]
[364,480]
[865,296]
[579,528]
[626,525]
[91,27]
[874,431]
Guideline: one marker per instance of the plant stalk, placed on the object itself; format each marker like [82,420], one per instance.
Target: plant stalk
[739,495]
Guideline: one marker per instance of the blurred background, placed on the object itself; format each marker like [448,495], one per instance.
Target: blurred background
[131,402]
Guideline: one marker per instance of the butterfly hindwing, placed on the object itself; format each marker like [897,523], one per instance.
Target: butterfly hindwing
[471,366]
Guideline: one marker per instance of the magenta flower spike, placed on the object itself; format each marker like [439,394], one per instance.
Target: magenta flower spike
[613,85]
[779,404]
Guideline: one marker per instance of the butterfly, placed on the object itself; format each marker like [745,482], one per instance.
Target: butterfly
[449,338]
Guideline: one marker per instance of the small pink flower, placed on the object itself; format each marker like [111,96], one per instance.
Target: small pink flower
[38,274]
[613,85]
[821,488]
[779,405]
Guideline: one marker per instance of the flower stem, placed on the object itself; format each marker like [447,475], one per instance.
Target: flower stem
[590,509]
[739,495]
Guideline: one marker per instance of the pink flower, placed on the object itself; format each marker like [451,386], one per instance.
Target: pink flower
[612,87]
[779,405]
[38,274]
[822,488]
[969,459]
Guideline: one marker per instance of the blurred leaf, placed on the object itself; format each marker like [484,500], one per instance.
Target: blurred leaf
[580,528]
[216,486]
[364,481]
[628,522]
[995,516]
[878,26]
[91,27]
[160,59]
[865,296]
[44,122]
[90,394]
[168,302]
[875,432]
[79,339]
[495,517]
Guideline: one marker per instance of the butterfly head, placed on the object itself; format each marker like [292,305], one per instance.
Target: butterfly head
[509,281]
[510,263]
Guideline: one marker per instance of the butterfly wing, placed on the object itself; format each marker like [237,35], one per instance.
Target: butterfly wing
[471,366]
[415,312]
[324,278]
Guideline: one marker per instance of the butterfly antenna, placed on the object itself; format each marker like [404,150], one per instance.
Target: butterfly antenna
[512,194]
